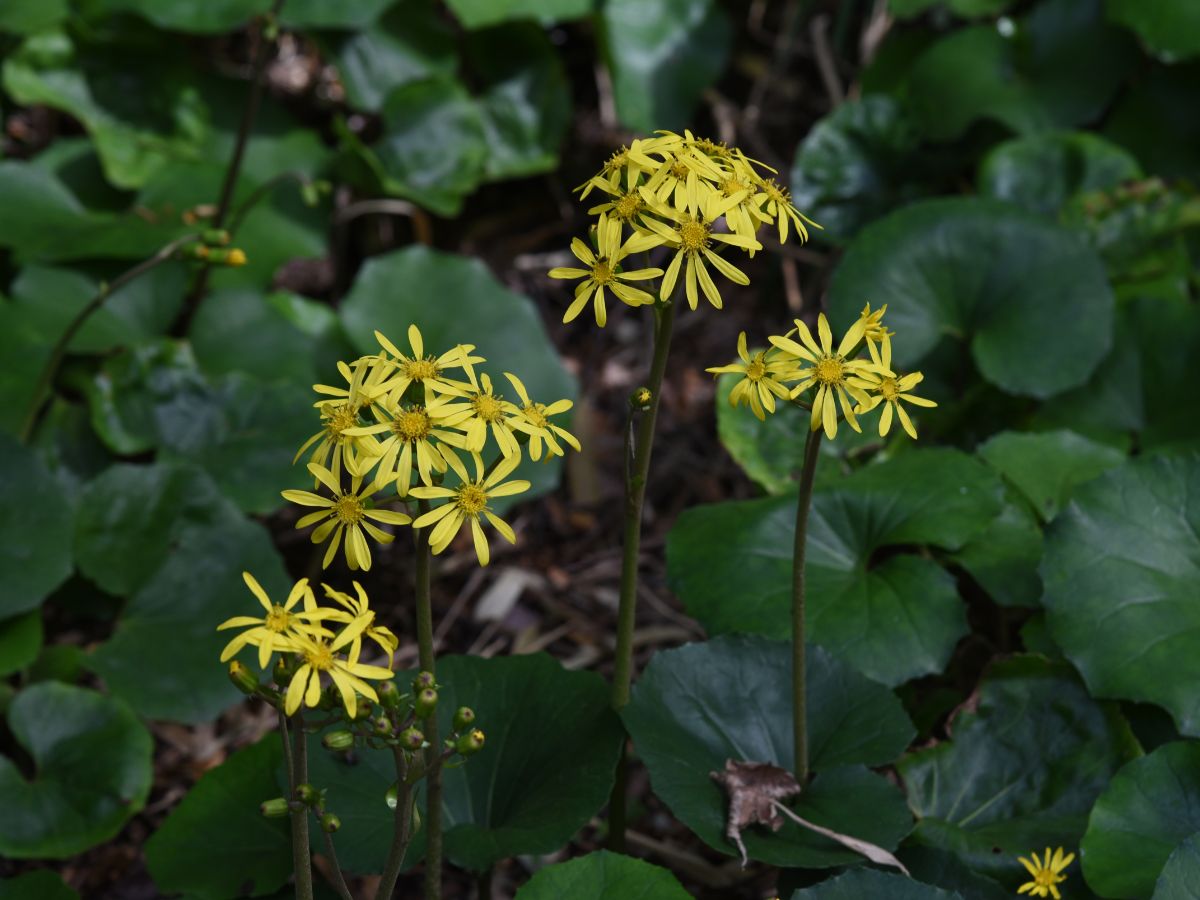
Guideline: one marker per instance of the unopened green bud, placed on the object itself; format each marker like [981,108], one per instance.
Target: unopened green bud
[422,681]
[194,251]
[243,679]
[640,399]
[274,809]
[338,740]
[425,703]
[464,718]
[217,237]
[382,725]
[330,823]
[307,794]
[364,709]
[389,694]
[470,743]
[412,739]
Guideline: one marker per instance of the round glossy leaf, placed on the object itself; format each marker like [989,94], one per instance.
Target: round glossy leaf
[1041,172]
[216,844]
[856,164]
[91,771]
[1122,573]
[945,870]
[1170,28]
[603,876]
[1004,557]
[35,553]
[20,641]
[895,619]
[1028,297]
[1180,878]
[454,300]
[771,452]
[40,884]
[1026,761]
[245,331]
[481,13]
[860,883]
[1145,812]
[730,698]
[663,55]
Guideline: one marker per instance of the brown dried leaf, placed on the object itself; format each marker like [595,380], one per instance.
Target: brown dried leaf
[753,789]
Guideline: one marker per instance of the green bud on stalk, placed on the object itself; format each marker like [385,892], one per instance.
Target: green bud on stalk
[464,718]
[425,703]
[338,740]
[412,739]
[243,679]
[470,743]
[274,809]
[330,823]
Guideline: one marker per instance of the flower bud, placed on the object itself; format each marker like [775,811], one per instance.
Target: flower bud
[194,251]
[412,739]
[389,694]
[382,725]
[243,679]
[338,740]
[307,794]
[640,399]
[425,703]
[274,809]
[330,823]
[422,681]
[470,743]
[216,237]
[464,718]
[364,709]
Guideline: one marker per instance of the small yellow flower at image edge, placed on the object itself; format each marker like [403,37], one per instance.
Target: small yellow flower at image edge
[1047,874]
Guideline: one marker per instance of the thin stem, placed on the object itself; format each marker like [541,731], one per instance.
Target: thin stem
[301,858]
[433,777]
[401,828]
[50,370]
[812,449]
[339,880]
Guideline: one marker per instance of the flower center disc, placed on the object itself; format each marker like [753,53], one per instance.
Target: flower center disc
[889,389]
[349,509]
[342,416]
[320,658]
[277,619]
[487,407]
[421,369]
[679,170]
[472,499]
[536,413]
[733,186]
[775,192]
[756,369]
[628,206]
[693,235]
[602,272]
[830,370]
[412,424]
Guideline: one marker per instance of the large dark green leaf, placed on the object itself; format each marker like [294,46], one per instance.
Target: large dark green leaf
[212,17]
[1154,118]
[894,618]
[730,698]
[1151,805]
[1041,172]
[603,876]
[662,55]
[1027,760]
[91,771]
[1122,572]
[248,332]
[1004,557]
[216,844]
[40,884]
[860,883]
[481,13]
[947,871]
[1180,878]
[20,641]
[1028,297]
[35,551]
[546,769]
[1171,28]
[27,17]
[454,300]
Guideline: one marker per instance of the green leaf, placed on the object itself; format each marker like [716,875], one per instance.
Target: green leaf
[27,17]
[662,55]
[91,761]
[453,299]
[1030,299]
[1180,878]
[245,331]
[210,17]
[859,883]
[1004,557]
[1041,172]
[1059,66]
[1154,119]
[945,870]
[20,641]
[969,9]
[1047,467]
[698,705]
[35,555]
[1025,764]
[323,14]
[1122,571]
[894,618]
[1170,28]
[39,884]
[771,452]
[481,13]
[603,876]
[1150,806]
[215,844]
[856,164]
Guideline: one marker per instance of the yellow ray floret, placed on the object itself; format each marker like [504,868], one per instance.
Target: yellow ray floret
[604,270]
[319,657]
[277,629]
[763,377]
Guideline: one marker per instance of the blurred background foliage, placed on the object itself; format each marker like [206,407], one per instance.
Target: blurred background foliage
[1014,178]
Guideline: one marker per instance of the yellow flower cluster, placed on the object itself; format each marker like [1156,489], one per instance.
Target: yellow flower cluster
[694,196]
[313,647]
[1047,874]
[405,416]
[844,384]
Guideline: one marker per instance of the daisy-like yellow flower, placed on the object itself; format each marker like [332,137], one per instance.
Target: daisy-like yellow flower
[776,201]
[623,205]
[485,410]
[319,657]
[740,180]
[428,371]
[411,429]
[538,415]
[360,622]
[836,378]
[1047,875]
[683,175]
[877,335]
[625,166]
[890,389]
[333,446]
[762,380]
[604,270]
[345,512]
[468,503]
[275,630]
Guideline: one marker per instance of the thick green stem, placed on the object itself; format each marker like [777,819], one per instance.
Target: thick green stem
[433,776]
[301,858]
[812,449]
[401,829]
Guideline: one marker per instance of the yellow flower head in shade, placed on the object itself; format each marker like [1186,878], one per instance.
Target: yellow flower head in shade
[317,657]
[762,379]
[333,446]
[483,410]
[278,628]
[604,270]
[876,334]
[776,202]
[345,512]
[468,503]
[428,371]
[1046,874]
[837,378]
[356,612]
[407,434]
[541,428]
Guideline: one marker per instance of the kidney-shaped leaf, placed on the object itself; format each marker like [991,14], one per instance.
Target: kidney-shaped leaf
[1180,878]
[603,876]
[1027,296]
[1122,573]
[91,771]
[1026,761]
[860,883]
[730,698]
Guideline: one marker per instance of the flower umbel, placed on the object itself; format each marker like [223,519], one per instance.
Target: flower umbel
[1047,874]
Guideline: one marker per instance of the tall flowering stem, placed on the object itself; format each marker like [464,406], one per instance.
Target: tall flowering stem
[428,660]
[301,859]
[812,450]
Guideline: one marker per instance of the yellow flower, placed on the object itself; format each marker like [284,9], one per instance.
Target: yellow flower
[360,619]
[275,630]
[319,656]
[877,336]
[538,416]
[467,503]
[626,165]
[762,379]
[603,270]
[418,368]
[1046,875]
[484,410]
[411,429]
[836,378]
[345,512]
[891,389]
[775,200]
[335,447]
